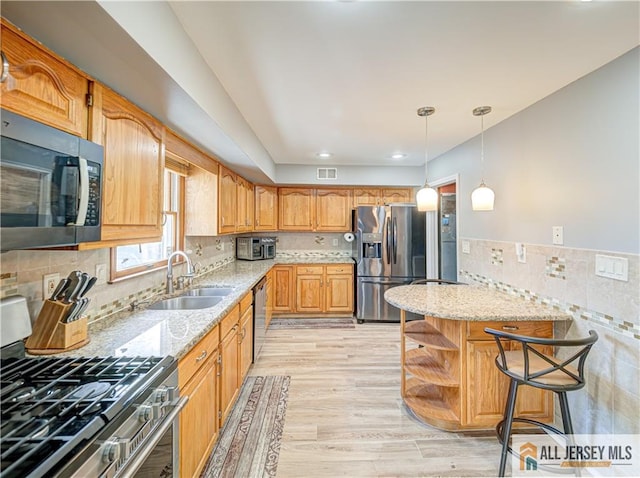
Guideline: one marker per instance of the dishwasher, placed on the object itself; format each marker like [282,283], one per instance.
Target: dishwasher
[259,316]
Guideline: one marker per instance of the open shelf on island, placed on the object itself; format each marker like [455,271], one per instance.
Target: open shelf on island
[429,403]
[419,331]
[424,366]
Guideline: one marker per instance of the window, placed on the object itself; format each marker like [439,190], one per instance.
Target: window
[138,258]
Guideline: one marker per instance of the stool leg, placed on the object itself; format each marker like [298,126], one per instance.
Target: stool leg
[566,422]
[507,424]
[566,415]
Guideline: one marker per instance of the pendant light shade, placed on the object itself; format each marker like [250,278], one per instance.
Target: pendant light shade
[427,197]
[482,197]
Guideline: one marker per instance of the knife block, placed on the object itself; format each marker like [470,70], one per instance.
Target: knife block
[51,335]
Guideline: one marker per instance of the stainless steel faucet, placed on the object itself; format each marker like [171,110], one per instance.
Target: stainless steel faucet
[188,275]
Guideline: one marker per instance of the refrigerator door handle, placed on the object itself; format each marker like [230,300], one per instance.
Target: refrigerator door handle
[388,246]
[395,241]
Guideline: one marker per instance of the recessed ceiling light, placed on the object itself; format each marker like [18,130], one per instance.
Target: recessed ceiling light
[324,155]
[398,156]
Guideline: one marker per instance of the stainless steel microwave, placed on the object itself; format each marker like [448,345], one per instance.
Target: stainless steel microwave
[255,248]
[50,185]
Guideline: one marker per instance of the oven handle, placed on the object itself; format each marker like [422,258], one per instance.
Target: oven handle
[143,453]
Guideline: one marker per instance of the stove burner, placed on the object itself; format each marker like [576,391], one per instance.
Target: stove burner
[90,390]
[22,394]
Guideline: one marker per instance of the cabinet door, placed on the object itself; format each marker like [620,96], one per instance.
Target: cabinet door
[250,207]
[246,342]
[269,311]
[366,197]
[484,404]
[241,205]
[199,420]
[133,167]
[333,210]
[339,293]
[41,86]
[229,368]
[227,201]
[201,203]
[309,293]
[266,208]
[296,209]
[283,289]
[396,195]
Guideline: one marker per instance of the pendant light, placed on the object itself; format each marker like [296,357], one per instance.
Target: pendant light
[427,197]
[482,197]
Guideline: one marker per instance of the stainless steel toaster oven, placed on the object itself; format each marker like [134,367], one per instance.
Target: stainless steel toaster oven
[255,248]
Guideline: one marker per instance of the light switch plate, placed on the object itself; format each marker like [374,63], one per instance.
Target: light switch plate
[521,252]
[612,267]
[466,247]
[558,235]
[101,273]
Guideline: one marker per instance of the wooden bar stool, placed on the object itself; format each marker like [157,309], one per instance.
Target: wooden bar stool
[529,366]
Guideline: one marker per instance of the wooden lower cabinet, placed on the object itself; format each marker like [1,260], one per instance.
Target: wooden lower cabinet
[284,287]
[313,289]
[199,425]
[229,364]
[245,335]
[199,419]
[449,377]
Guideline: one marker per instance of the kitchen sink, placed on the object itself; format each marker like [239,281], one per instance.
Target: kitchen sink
[186,303]
[209,292]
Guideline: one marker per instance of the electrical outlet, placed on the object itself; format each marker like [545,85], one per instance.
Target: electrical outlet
[49,283]
[335,242]
[558,235]
[466,247]
[101,272]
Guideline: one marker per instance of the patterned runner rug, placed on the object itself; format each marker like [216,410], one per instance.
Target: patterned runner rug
[312,323]
[249,442]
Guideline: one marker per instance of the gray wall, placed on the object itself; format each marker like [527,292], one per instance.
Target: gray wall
[570,160]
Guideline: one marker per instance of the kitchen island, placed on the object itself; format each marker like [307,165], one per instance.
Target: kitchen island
[449,378]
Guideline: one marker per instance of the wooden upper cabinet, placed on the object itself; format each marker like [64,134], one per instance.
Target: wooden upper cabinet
[133,167]
[333,210]
[201,203]
[296,208]
[266,208]
[42,86]
[379,196]
[366,197]
[244,207]
[227,201]
[390,195]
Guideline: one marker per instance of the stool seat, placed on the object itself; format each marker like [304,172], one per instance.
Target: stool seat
[538,365]
[531,366]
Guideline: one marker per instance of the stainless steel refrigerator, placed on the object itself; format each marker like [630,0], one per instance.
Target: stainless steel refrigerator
[447,242]
[389,251]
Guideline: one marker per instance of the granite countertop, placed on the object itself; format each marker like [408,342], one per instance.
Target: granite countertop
[469,302]
[174,332]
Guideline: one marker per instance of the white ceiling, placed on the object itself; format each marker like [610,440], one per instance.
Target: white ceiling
[258,83]
[347,77]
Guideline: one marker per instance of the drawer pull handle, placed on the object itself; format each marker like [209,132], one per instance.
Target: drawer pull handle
[202,356]
[510,327]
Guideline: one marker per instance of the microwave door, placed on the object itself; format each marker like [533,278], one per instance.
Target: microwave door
[25,196]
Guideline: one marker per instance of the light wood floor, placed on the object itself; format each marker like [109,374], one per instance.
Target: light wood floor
[345,416]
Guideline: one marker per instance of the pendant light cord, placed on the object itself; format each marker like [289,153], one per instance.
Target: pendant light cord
[426,151]
[482,149]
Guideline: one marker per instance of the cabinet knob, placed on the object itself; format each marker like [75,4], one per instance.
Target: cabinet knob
[5,68]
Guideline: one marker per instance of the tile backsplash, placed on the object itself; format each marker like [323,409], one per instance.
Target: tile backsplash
[565,278]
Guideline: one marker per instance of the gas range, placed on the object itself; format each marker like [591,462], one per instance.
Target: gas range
[89,417]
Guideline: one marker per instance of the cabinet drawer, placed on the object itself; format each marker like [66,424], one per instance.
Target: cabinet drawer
[305,270]
[190,363]
[246,302]
[532,329]
[340,269]
[229,321]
